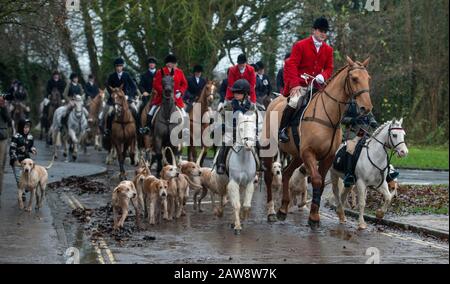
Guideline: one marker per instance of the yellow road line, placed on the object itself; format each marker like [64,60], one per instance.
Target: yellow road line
[69,201]
[104,246]
[78,203]
[100,258]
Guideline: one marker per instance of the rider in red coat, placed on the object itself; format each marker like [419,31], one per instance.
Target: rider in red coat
[180,87]
[312,56]
[242,71]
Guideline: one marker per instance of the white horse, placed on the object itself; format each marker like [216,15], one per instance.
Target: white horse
[372,169]
[77,126]
[241,168]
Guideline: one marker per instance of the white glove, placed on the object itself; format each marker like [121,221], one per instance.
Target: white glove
[178,95]
[320,79]
[46,101]
[220,106]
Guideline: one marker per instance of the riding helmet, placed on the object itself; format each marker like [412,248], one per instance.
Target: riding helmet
[198,69]
[259,66]
[119,61]
[242,59]
[321,24]
[241,86]
[170,59]
[73,75]
[152,60]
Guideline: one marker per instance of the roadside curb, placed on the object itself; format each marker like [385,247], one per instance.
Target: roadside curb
[425,170]
[403,226]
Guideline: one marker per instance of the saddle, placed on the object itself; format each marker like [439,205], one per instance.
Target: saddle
[159,108]
[341,156]
[297,118]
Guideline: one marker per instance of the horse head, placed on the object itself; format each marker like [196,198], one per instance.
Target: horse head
[78,107]
[246,131]
[55,97]
[168,84]
[120,100]
[210,91]
[397,138]
[357,84]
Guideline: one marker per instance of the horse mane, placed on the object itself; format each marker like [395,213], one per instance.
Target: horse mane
[337,73]
[381,128]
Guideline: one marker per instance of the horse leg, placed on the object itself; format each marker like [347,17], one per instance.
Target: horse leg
[248,200]
[316,180]
[362,191]
[337,197]
[287,173]
[233,194]
[384,189]
[271,215]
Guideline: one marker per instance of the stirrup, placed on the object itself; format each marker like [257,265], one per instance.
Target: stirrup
[283,137]
[349,180]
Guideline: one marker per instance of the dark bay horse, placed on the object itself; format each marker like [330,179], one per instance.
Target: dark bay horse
[320,134]
[205,100]
[123,134]
[47,117]
[163,127]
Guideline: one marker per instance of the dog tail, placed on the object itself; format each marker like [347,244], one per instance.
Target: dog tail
[51,163]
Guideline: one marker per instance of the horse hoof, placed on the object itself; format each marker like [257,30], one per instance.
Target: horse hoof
[64,155]
[380,214]
[314,224]
[362,227]
[281,216]
[272,218]
[237,232]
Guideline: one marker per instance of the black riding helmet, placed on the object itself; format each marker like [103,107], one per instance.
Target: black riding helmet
[241,86]
[21,125]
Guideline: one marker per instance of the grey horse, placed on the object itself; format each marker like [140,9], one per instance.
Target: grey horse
[241,168]
[77,127]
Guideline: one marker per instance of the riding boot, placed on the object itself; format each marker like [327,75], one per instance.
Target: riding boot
[148,128]
[286,118]
[262,168]
[221,167]
[349,178]
[109,121]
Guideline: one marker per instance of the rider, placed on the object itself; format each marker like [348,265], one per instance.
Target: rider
[91,88]
[120,78]
[223,91]
[55,82]
[180,87]
[280,76]
[263,86]
[312,56]
[196,84]
[357,126]
[18,93]
[242,71]
[240,103]
[73,88]
[146,85]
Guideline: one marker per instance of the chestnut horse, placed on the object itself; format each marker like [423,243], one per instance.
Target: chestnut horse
[95,107]
[123,134]
[205,100]
[320,133]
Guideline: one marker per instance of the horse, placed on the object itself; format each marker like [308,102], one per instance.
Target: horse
[54,103]
[123,134]
[241,169]
[205,100]
[18,110]
[95,107]
[372,169]
[162,126]
[58,131]
[146,140]
[77,125]
[320,134]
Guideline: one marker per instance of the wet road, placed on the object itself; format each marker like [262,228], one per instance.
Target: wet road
[423,177]
[204,238]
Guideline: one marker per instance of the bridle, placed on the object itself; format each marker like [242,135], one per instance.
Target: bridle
[389,145]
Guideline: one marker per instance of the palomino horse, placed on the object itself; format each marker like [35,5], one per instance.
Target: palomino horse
[46,119]
[95,107]
[123,134]
[372,169]
[162,126]
[205,100]
[146,140]
[320,134]
[241,169]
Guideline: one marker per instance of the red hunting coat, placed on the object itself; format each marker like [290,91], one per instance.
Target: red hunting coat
[180,84]
[305,59]
[234,75]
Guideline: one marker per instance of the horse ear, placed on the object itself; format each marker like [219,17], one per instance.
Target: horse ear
[350,61]
[366,62]
[401,121]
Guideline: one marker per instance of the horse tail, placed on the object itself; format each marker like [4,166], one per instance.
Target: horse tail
[51,163]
